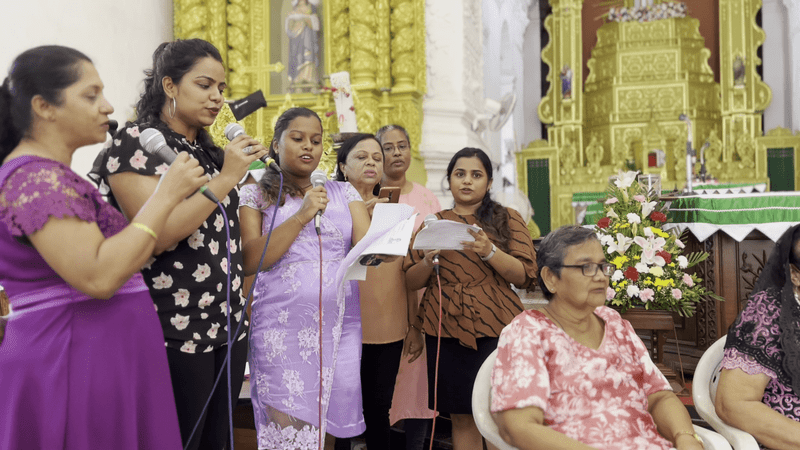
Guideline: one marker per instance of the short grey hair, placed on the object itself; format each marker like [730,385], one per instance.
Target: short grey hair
[387,128]
[553,249]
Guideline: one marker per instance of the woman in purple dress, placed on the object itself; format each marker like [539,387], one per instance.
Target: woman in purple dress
[82,362]
[284,333]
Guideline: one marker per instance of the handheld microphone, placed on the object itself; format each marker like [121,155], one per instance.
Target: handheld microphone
[318,178]
[234,129]
[154,143]
[429,219]
[112,126]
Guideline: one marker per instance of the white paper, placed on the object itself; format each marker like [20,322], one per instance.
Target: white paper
[444,235]
[389,234]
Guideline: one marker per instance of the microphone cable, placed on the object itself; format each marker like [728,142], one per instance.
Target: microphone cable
[226,362]
[321,437]
[438,352]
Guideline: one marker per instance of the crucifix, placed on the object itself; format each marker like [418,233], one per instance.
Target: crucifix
[262,72]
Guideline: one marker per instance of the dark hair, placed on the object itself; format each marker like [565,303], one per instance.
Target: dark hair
[553,249]
[270,182]
[174,60]
[387,128]
[45,71]
[492,215]
[344,150]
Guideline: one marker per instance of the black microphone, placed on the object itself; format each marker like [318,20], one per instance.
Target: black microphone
[154,143]
[234,129]
[244,107]
[318,178]
[112,126]
[430,218]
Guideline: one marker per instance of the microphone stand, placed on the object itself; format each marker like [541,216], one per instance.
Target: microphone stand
[689,153]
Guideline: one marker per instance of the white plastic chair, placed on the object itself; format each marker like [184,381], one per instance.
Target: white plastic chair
[481,400]
[704,389]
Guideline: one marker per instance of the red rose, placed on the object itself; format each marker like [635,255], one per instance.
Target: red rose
[632,274]
[604,222]
[664,254]
[658,216]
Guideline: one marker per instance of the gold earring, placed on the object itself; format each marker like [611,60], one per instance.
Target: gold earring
[174,108]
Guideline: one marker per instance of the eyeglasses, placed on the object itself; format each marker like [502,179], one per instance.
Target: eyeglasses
[403,147]
[590,269]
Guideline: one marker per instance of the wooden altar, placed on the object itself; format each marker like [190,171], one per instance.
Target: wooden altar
[738,231]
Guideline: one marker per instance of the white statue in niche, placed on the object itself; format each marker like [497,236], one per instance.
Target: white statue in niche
[302,27]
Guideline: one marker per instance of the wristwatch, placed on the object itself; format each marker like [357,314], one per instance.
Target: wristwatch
[491,253]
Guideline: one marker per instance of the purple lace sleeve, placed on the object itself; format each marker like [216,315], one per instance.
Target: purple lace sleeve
[42,189]
[251,196]
[734,359]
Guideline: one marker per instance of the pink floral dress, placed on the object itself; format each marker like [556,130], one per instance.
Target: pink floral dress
[598,397]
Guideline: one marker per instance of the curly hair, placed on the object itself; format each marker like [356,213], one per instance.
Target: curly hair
[171,59]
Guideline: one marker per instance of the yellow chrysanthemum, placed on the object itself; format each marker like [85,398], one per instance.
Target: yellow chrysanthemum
[619,261]
[662,282]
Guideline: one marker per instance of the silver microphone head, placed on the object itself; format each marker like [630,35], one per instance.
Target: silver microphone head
[232,130]
[318,178]
[683,117]
[154,143]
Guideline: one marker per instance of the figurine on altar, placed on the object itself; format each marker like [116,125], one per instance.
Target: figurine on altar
[566,82]
[302,27]
[738,71]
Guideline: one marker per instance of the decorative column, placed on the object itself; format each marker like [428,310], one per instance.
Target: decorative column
[455,85]
[793,32]
[563,105]
[744,94]
[777,64]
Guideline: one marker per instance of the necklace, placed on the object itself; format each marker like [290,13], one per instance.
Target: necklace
[552,316]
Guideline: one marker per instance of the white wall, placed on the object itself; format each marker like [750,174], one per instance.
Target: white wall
[119,36]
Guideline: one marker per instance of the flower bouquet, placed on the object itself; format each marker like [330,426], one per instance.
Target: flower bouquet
[650,266]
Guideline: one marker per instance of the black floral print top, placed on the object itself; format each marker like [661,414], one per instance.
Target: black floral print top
[187,282]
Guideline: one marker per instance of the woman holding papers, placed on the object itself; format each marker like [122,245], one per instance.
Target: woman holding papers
[476,295]
[386,304]
[284,333]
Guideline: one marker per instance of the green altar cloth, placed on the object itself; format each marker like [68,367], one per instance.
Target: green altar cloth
[737,215]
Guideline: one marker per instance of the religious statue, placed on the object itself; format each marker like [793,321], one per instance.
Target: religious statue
[566,82]
[739,71]
[302,27]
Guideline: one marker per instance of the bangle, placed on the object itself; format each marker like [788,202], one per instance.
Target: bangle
[688,433]
[491,253]
[302,225]
[145,228]
[411,325]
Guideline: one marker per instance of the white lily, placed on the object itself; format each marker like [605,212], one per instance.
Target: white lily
[647,208]
[612,214]
[625,179]
[634,218]
[621,245]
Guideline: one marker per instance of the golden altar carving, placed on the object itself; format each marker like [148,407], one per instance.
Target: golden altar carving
[380,42]
[642,77]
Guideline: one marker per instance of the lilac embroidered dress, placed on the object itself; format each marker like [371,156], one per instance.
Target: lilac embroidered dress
[75,372]
[284,339]
[754,346]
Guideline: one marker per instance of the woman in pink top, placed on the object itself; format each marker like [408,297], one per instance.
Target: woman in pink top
[410,400]
[575,375]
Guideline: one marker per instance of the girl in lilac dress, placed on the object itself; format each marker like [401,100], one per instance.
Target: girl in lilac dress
[284,332]
[82,362]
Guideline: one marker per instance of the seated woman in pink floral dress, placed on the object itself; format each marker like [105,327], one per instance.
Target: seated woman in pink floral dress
[575,375]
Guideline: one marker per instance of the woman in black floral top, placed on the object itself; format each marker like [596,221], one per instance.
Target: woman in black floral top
[188,276]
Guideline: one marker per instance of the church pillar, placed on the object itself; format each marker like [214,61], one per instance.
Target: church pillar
[793,61]
[454,88]
[777,64]
[744,94]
